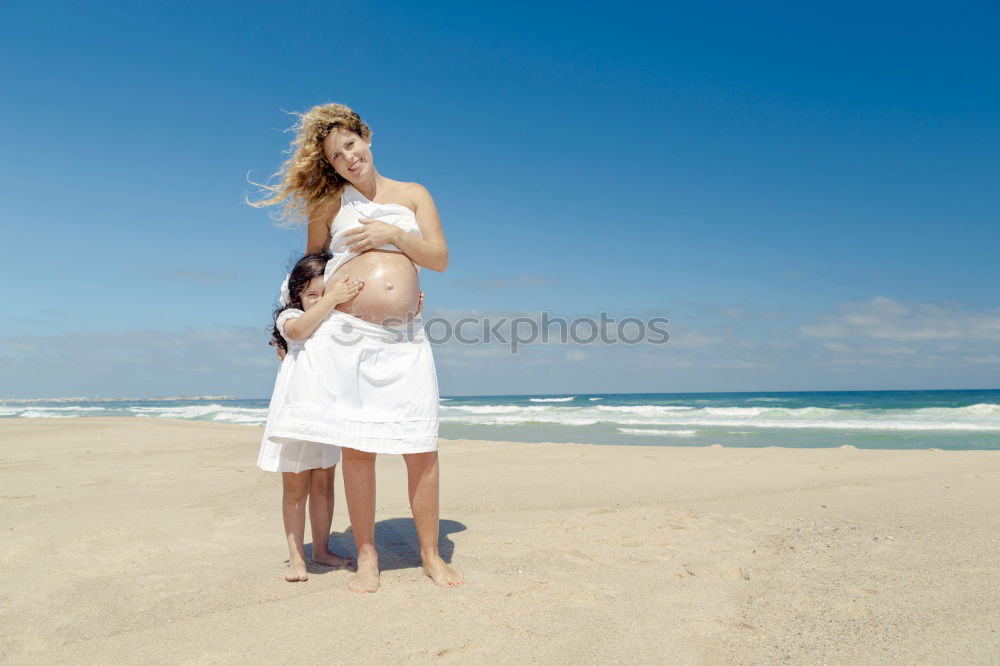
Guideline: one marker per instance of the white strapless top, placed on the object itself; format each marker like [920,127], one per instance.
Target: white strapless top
[354,206]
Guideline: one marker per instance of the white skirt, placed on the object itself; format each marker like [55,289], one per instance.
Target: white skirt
[283,454]
[358,385]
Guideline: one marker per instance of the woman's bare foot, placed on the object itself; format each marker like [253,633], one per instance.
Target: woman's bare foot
[331,560]
[366,579]
[441,573]
[296,571]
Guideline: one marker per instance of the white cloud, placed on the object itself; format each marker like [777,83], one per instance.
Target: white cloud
[986,359]
[682,337]
[883,318]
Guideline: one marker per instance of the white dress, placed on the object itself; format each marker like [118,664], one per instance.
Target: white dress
[286,450]
[358,384]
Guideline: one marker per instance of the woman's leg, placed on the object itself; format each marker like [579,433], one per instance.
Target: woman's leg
[424,485]
[321,517]
[359,486]
[295,487]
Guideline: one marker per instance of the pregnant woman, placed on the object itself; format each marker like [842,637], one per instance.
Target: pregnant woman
[378,391]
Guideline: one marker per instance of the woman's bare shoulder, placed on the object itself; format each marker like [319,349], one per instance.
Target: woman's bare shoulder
[415,192]
[409,194]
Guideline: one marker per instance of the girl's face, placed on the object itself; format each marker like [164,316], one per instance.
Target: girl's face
[350,155]
[312,293]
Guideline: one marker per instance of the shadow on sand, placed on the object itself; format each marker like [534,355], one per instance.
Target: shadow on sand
[396,542]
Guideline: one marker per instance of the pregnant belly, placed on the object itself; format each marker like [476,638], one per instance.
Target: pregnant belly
[392,288]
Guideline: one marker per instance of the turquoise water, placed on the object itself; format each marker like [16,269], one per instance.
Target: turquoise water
[957,420]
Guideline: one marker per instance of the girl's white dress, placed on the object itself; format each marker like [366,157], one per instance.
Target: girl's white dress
[354,383]
[286,451]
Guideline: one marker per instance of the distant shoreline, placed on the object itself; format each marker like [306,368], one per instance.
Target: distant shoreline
[122,399]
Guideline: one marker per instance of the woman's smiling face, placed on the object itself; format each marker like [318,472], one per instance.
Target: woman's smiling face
[350,155]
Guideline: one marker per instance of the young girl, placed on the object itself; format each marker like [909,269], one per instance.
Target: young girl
[307,466]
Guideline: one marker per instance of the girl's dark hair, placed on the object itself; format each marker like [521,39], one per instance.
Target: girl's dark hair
[305,269]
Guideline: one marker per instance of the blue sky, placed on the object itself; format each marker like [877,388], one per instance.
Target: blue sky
[809,194]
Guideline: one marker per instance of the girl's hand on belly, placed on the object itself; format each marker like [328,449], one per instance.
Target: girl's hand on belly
[374,233]
[342,290]
[391,286]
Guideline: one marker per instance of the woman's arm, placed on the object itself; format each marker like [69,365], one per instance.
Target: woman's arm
[431,251]
[319,229]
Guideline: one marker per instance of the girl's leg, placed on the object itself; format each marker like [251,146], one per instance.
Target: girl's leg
[321,517]
[424,485]
[359,486]
[295,487]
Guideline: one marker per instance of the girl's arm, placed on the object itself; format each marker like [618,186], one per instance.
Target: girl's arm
[342,290]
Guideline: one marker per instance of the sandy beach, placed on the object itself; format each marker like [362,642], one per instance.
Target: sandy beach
[158,541]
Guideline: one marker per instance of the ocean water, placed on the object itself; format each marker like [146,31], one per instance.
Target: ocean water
[956,420]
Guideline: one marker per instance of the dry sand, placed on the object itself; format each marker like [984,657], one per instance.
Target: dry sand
[158,541]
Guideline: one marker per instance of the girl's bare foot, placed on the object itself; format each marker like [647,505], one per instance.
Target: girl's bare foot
[366,579]
[296,571]
[441,573]
[331,560]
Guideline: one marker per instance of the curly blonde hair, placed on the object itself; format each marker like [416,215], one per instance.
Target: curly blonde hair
[308,180]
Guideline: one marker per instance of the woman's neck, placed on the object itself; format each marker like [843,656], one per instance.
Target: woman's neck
[372,185]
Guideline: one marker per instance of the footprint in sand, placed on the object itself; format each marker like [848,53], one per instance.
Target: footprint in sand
[578,557]
[715,571]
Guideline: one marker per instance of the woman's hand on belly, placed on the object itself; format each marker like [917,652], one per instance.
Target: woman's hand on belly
[392,287]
